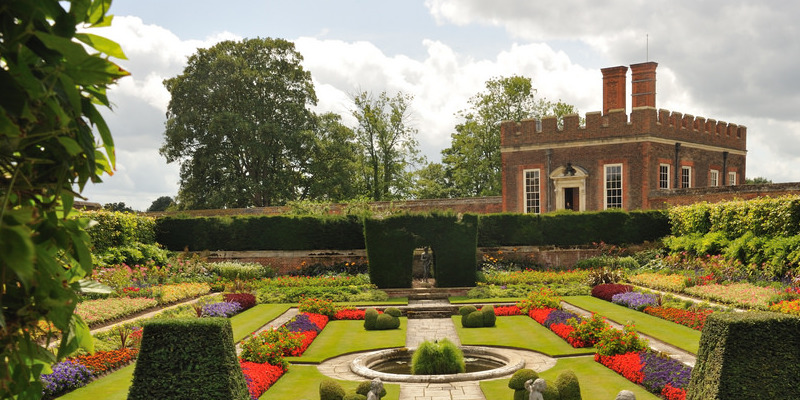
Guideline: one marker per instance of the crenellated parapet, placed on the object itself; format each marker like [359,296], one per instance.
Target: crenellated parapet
[643,121]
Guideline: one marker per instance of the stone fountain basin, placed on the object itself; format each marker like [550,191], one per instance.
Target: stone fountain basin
[511,362]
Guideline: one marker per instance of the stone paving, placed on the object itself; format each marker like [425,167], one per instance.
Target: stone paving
[417,331]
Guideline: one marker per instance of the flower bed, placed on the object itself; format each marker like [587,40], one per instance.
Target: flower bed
[672,282]
[607,291]
[556,321]
[166,294]
[349,314]
[66,376]
[532,277]
[245,300]
[502,311]
[787,306]
[658,374]
[693,319]
[106,361]
[635,300]
[299,281]
[104,310]
[223,309]
[740,294]
[260,377]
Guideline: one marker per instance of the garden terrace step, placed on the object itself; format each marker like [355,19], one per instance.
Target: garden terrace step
[427,293]
[420,311]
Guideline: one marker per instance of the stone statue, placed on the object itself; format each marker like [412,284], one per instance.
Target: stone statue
[625,395]
[426,263]
[375,389]
[536,388]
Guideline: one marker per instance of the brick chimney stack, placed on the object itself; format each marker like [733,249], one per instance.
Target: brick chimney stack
[643,84]
[614,88]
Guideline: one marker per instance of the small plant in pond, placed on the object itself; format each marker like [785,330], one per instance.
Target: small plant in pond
[437,357]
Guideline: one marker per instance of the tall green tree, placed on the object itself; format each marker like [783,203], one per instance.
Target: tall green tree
[239,124]
[473,159]
[432,182]
[388,146]
[52,79]
[332,170]
[161,204]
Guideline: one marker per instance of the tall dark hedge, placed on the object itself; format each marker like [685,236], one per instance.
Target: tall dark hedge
[749,355]
[568,229]
[391,243]
[191,358]
[260,233]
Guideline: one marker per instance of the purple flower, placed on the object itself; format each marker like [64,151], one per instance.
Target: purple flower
[224,309]
[660,370]
[635,300]
[301,323]
[66,376]
[559,317]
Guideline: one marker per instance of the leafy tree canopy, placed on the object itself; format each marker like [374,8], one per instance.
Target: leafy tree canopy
[472,161]
[161,204]
[52,78]
[239,124]
[121,207]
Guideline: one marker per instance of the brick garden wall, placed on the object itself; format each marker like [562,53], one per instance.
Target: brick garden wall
[681,197]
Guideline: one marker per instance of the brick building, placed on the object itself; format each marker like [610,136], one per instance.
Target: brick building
[617,160]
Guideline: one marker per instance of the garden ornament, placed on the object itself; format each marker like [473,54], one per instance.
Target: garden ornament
[625,395]
[375,389]
[536,388]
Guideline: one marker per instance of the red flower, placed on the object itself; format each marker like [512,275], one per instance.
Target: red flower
[352,314]
[671,393]
[502,311]
[628,365]
[260,377]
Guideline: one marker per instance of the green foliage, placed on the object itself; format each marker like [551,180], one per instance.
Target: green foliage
[281,294]
[354,396]
[161,204]
[391,242]
[188,359]
[518,379]
[614,341]
[365,386]
[489,317]
[53,81]
[387,143]
[437,357]
[466,310]
[604,275]
[261,233]
[333,161]
[241,270]
[568,229]
[589,330]
[543,297]
[386,321]
[370,318]
[114,229]
[318,306]
[747,355]
[472,320]
[248,142]
[393,311]
[568,386]
[764,216]
[329,389]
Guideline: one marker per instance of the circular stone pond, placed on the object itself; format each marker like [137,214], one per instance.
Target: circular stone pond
[482,363]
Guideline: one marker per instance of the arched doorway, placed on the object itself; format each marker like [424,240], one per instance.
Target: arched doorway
[569,185]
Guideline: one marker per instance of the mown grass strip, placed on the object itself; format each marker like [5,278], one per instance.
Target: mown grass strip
[597,382]
[302,382]
[669,332]
[342,337]
[251,320]
[518,331]
[113,386]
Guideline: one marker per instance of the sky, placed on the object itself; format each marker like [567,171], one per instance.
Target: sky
[729,60]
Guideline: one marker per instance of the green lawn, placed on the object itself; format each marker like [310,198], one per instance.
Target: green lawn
[342,337]
[518,331]
[597,382]
[251,320]
[669,332]
[302,382]
[113,386]
[465,299]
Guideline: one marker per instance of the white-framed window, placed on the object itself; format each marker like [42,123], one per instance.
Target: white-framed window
[532,184]
[731,178]
[713,178]
[686,177]
[663,176]
[613,185]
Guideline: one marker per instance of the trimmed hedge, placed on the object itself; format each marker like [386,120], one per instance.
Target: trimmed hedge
[568,229]
[117,229]
[764,216]
[188,358]
[244,233]
[391,243]
[750,355]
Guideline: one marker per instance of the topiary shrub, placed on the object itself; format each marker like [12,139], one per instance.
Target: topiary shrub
[489,317]
[568,386]
[363,389]
[386,321]
[466,310]
[473,320]
[395,312]
[192,358]
[370,316]
[354,396]
[517,381]
[750,355]
[438,357]
[329,389]
[551,392]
